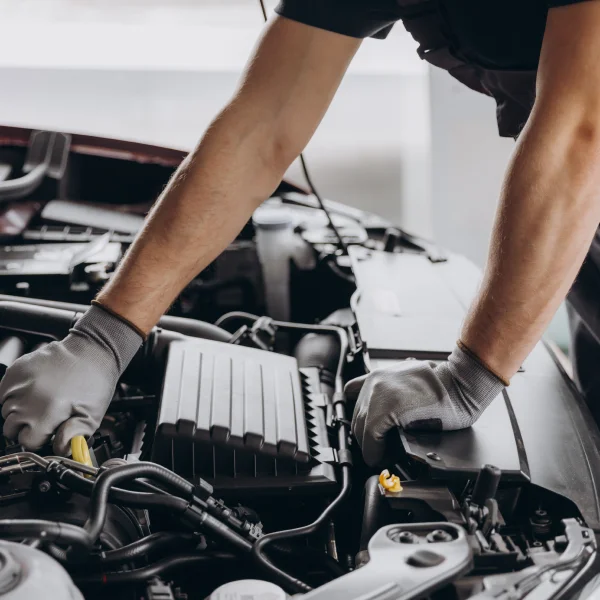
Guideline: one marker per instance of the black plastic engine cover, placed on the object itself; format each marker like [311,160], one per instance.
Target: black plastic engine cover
[242,418]
[540,429]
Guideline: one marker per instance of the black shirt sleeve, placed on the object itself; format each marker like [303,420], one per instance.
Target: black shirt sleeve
[355,18]
[555,3]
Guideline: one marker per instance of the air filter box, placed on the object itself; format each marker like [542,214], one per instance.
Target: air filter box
[242,418]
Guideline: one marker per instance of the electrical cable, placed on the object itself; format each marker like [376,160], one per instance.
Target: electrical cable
[264,10]
[313,190]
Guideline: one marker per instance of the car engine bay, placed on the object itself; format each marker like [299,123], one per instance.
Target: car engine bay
[225,466]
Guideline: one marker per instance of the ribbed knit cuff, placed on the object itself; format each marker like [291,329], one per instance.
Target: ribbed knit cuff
[143,335]
[473,377]
[474,356]
[111,332]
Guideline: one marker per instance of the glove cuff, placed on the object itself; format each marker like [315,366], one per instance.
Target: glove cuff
[462,346]
[121,318]
[110,332]
[473,377]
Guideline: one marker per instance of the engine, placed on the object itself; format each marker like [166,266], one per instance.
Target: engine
[225,466]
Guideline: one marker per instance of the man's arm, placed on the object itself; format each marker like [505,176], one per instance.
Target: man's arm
[548,213]
[550,205]
[66,387]
[287,87]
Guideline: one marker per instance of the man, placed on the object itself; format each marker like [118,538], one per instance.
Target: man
[547,217]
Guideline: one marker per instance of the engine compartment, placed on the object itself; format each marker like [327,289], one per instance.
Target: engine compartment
[226,454]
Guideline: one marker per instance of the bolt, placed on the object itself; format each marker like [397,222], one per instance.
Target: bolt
[433,456]
[44,486]
[402,537]
[439,535]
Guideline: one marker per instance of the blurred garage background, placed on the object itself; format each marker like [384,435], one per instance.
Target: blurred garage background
[400,139]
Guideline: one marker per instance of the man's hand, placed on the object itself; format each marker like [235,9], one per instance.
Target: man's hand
[419,395]
[66,387]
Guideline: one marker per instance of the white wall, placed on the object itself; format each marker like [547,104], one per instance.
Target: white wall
[158,71]
[468,161]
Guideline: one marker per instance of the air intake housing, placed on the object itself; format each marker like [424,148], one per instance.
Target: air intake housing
[243,419]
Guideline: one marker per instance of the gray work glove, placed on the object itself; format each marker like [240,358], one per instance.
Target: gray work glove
[419,395]
[66,387]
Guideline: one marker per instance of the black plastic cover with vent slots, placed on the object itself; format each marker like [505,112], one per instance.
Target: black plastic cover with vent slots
[243,418]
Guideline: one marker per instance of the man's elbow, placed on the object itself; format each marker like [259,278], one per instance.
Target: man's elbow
[271,159]
[585,133]
[573,119]
[282,150]
[570,133]
[581,148]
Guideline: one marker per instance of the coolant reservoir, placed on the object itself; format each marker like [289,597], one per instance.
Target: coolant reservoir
[27,573]
[248,589]
[274,227]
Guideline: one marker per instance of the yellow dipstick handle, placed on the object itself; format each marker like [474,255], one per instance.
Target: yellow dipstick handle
[390,483]
[80,451]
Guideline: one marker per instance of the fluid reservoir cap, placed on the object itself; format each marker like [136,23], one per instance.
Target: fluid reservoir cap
[10,572]
[248,589]
[272,216]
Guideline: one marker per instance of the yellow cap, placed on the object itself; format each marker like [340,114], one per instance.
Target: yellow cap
[390,483]
[80,451]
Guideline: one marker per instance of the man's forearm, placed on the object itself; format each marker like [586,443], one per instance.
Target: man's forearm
[284,93]
[205,205]
[548,213]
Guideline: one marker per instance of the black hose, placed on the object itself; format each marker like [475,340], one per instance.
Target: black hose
[233,315]
[158,499]
[161,567]
[152,544]
[110,478]
[193,515]
[322,350]
[190,327]
[259,546]
[36,320]
[373,504]
[318,351]
[48,531]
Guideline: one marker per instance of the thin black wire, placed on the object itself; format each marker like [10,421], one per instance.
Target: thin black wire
[313,190]
[264,10]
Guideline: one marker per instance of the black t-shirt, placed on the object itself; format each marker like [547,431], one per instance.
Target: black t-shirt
[500,34]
